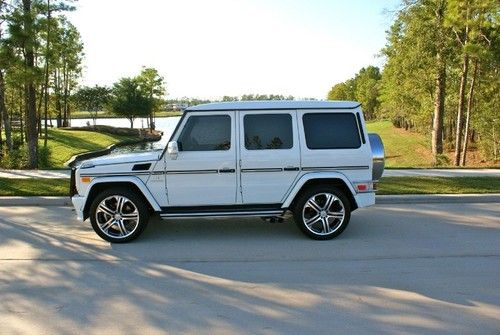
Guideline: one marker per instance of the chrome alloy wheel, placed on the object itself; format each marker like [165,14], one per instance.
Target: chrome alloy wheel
[323,213]
[117,216]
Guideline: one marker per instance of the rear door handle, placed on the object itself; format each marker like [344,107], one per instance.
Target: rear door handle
[227,170]
[291,168]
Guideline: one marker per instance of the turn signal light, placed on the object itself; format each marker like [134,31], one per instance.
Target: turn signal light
[85,179]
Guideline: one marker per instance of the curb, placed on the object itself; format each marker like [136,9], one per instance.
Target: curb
[380,200]
[437,198]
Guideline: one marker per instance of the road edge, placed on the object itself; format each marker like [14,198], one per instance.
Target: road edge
[380,200]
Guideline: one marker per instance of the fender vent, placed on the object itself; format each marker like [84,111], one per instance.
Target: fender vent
[141,167]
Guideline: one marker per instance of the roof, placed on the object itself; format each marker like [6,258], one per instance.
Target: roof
[274,105]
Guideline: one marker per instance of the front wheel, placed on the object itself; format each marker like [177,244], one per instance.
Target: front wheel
[118,215]
[322,213]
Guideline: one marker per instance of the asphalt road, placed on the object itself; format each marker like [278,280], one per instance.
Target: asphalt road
[397,269]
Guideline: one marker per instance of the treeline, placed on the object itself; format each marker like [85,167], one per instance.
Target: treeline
[130,97]
[441,76]
[40,62]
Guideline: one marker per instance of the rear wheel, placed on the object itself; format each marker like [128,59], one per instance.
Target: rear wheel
[322,212]
[118,215]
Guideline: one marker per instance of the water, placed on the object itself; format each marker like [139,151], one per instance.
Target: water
[164,124]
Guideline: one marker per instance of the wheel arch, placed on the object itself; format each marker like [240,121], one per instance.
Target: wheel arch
[131,183]
[314,179]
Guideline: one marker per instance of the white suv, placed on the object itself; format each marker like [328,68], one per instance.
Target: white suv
[258,158]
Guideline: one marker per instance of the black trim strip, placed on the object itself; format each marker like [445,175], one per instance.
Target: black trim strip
[322,168]
[192,171]
[263,170]
[221,208]
[360,127]
[113,174]
[291,168]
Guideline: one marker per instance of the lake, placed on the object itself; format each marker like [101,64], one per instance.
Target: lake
[164,124]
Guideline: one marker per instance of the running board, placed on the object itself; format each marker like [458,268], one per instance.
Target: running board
[186,215]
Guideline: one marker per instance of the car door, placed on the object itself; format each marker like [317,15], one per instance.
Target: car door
[204,172]
[269,154]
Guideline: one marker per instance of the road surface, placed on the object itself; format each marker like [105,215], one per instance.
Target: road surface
[420,269]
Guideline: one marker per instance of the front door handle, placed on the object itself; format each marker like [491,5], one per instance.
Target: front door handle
[227,170]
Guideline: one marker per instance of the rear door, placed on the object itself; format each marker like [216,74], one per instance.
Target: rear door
[269,155]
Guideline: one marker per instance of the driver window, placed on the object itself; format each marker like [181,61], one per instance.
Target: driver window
[206,133]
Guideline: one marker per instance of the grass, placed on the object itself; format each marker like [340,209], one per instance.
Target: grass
[63,144]
[34,187]
[388,185]
[402,148]
[438,185]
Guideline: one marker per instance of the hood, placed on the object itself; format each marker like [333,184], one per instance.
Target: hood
[124,158]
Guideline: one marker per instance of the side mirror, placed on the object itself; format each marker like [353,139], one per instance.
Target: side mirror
[173,150]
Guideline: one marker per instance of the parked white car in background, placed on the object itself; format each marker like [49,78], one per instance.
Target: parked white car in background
[257,158]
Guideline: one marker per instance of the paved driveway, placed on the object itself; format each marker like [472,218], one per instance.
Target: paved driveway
[421,269]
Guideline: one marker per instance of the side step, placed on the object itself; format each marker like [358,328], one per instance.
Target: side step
[221,211]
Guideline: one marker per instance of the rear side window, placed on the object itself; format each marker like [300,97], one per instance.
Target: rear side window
[268,131]
[331,131]
[206,133]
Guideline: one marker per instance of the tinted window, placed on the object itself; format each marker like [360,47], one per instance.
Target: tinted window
[268,131]
[203,133]
[331,131]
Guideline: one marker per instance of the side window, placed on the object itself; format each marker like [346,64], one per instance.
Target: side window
[331,131]
[206,133]
[268,131]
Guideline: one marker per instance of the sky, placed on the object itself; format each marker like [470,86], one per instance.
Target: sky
[208,49]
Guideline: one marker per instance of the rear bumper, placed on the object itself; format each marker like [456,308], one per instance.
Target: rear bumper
[79,204]
[365,199]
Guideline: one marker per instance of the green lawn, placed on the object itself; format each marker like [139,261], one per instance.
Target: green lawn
[402,148]
[388,185]
[438,185]
[63,144]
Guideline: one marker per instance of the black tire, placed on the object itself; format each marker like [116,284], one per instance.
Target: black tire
[127,228]
[304,210]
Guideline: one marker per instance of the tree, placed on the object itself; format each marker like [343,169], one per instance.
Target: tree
[153,85]
[129,101]
[4,115]
[473,23]
[92,99]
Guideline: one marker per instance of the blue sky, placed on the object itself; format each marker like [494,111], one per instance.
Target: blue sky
[208,49]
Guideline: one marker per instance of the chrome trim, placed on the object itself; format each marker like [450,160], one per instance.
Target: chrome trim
[191,171]
[116,174]
[263,170]
[334,168]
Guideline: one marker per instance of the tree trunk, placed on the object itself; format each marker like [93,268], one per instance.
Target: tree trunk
[469,111]
[460,112]
[57,89]
[131,122]
[30,96]
[5,115]
[46,92]
[439,95]
[65,95]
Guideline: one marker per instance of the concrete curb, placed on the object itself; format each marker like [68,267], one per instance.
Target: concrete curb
[381,199]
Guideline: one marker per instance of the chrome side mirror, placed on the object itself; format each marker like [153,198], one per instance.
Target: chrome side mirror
[173,149]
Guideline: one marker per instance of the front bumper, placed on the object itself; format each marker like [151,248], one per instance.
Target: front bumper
[79,204]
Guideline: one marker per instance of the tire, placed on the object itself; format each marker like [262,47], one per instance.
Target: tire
[316,218]
[118,215]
